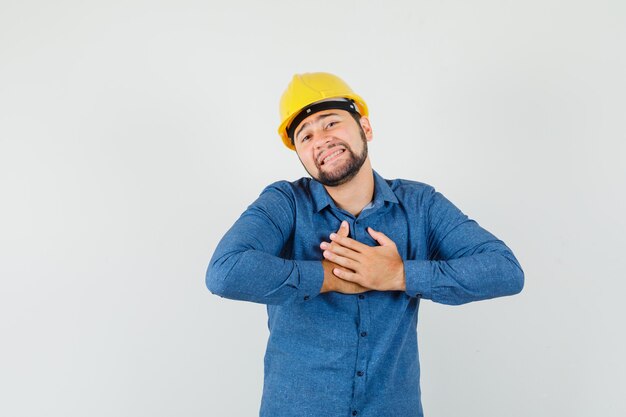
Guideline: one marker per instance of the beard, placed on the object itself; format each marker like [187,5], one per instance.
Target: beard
[347,171]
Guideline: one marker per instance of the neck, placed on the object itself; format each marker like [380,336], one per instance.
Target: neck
[355,194]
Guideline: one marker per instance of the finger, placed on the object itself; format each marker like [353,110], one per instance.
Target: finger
[348,242]
[344,229]
[346,275]
[380,237]
[338,249]
[340,260]
[342,251]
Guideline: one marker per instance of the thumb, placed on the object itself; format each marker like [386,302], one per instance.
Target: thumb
[380,237]
[344,229]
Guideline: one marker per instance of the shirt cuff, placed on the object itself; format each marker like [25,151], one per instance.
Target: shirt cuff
[418,276]
[311,278]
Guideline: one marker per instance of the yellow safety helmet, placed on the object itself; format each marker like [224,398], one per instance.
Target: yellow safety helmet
[310,88]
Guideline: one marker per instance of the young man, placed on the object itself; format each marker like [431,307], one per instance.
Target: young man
[342,260]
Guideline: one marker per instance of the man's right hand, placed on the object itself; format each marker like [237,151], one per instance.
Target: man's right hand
[331,281]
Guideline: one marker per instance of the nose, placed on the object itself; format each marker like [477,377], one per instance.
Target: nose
[321,139]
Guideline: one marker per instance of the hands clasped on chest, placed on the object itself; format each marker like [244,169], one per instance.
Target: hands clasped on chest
[352,267]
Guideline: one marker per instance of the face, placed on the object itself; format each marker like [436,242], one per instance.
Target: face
[332,145]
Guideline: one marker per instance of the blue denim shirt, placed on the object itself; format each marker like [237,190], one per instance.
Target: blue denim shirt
[336,355]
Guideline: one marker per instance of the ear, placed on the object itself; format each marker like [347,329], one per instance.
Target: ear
[367,128]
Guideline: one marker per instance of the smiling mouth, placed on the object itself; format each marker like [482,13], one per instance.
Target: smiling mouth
[332,156]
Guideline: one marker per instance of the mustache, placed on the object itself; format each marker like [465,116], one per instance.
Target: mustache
[332,145]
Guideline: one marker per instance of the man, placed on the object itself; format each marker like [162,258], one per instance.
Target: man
[342,260]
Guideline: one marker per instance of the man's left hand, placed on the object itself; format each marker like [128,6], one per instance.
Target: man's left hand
[376,267]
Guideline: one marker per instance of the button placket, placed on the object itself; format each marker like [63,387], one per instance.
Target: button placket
[360,377]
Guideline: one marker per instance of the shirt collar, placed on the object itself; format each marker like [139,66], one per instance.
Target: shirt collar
[382,193]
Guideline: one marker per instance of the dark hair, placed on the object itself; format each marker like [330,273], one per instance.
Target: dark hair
[357,118]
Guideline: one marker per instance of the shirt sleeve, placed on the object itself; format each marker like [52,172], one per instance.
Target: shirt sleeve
[247,263]
[465,262]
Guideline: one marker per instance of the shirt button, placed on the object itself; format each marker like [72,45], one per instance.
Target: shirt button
[361,296]
[360,373]
[363,334]
[306,297]
[354,412]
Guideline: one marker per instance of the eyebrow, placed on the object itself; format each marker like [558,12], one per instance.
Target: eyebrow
[322,117]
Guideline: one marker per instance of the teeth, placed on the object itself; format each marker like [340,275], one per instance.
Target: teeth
[332,155]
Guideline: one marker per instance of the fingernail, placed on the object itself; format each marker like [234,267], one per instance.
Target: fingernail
[344,224]
[323,245]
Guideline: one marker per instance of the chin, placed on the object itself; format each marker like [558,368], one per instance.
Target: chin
[341,176]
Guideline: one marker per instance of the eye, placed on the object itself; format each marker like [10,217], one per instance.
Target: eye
[305,138]
[331,124]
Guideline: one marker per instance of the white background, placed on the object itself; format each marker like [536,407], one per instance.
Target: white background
[133,134]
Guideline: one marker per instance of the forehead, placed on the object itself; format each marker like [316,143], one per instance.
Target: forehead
[320,115]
